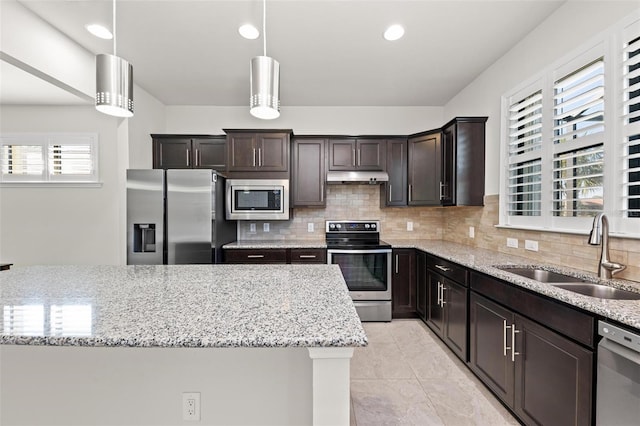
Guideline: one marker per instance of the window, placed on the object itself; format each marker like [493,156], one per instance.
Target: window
[571,140]
[49,158]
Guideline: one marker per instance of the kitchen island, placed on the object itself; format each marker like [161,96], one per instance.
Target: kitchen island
[121,344]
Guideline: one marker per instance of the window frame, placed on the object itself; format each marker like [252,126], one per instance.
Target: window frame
[46,141]
[609,46]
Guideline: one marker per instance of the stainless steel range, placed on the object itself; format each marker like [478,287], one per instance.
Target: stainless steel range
[365,262]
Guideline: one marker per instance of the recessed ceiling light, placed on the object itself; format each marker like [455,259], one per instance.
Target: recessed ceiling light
[394,32]
[248,31]
[99,31]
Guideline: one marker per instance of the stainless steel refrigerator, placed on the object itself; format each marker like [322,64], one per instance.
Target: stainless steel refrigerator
[176,217]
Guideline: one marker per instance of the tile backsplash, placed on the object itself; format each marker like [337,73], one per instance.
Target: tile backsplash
[446,223]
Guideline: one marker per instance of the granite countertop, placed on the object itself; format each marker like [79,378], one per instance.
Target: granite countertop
[482,260]
[179,306]
[275,244]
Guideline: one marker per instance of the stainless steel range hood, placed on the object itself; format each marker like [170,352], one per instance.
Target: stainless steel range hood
[358,177]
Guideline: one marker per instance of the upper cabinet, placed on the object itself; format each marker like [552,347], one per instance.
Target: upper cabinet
[424,169]
[308,172]
[189,152]
[394,192]
[357,154]
[265,151]
[463,150]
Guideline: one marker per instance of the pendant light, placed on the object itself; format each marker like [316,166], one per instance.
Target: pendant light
[114,81]
[264,102]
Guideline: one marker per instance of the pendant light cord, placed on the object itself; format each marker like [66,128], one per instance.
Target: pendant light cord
[114,28]
[264,25]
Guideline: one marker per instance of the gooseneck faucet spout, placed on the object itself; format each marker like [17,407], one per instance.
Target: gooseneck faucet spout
[600,235]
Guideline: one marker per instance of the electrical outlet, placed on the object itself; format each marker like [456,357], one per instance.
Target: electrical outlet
[265,227]
[531,245]
[512,242]
[472,232]
[252,228]
[409,226]
[310,227]
[191,406]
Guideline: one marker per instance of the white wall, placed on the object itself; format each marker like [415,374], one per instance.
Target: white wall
[307,120]
[568,28]
[59,225]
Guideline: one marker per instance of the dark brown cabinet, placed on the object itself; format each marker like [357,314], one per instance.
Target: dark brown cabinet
[281,256]
[447,303]
[307,255]
[357,154]
[394,192]
[421,285]
[308,172]
[189,152]
[424,169]
[463,151]
[257,151]
[545,378]
[403,281]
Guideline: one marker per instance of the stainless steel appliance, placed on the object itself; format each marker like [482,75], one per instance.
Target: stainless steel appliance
[257,199]
[176,217]
[365,262]
[618,389]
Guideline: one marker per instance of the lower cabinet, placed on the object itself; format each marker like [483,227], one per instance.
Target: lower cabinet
[421,285]
[403,283]
[281,256]
[543,377]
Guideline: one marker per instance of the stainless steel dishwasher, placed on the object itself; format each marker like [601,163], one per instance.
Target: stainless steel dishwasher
[618,391]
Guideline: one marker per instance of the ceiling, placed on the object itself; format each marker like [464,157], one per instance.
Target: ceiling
[331,53]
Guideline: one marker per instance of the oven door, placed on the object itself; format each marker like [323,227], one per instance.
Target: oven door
[366,272]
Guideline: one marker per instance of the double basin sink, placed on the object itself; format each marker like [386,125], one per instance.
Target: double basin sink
[571,283]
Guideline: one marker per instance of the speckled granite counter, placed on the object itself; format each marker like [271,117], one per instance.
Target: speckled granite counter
[275,244]
[181,306]
[624,311]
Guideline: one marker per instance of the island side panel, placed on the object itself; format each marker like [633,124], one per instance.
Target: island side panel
[47,385]
[331,385]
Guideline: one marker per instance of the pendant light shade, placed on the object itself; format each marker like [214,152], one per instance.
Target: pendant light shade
[114,86]
[114,81]
[265,88]
[264,79]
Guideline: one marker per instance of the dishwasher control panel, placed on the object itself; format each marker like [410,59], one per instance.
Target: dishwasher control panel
[619,335]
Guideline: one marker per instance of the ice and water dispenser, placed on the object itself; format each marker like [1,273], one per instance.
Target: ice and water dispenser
[144,237]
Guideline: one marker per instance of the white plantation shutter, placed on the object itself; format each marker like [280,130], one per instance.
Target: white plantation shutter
[631,124]
[525,140]
[49,158]
[578,142]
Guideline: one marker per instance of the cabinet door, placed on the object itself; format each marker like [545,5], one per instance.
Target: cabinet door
[421,285]
[172,153]
[394,192]
[272,152]
[455,318]
[424,170]
[403,292]
[488,339]
[435,313]
[210,153]
[242,154]
[309,173]
[370,154]
[312,255]
[342,154]
[448,183]
[553,377]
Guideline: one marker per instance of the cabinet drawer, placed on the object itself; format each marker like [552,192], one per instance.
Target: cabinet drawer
[448,269]
[308,256]
[564,319]
[255,256]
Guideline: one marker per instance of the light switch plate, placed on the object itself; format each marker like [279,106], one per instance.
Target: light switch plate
[409,226]
[265,227]
[310,227]
[472,232]
[512,242]
[531,245]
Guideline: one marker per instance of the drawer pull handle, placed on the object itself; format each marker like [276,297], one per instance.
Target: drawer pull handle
[308,256]
[442,302]
[443,268]
[505,348]
[255,256]
[513,343]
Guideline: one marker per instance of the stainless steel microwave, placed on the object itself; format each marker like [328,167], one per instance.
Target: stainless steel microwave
[257,199]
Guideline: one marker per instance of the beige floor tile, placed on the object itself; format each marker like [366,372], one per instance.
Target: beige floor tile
[392,402]
[380,361]
[378,331]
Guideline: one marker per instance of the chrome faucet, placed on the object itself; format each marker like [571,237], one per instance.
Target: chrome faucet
[600,233]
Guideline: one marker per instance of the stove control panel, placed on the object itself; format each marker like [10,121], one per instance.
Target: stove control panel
[352,226]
